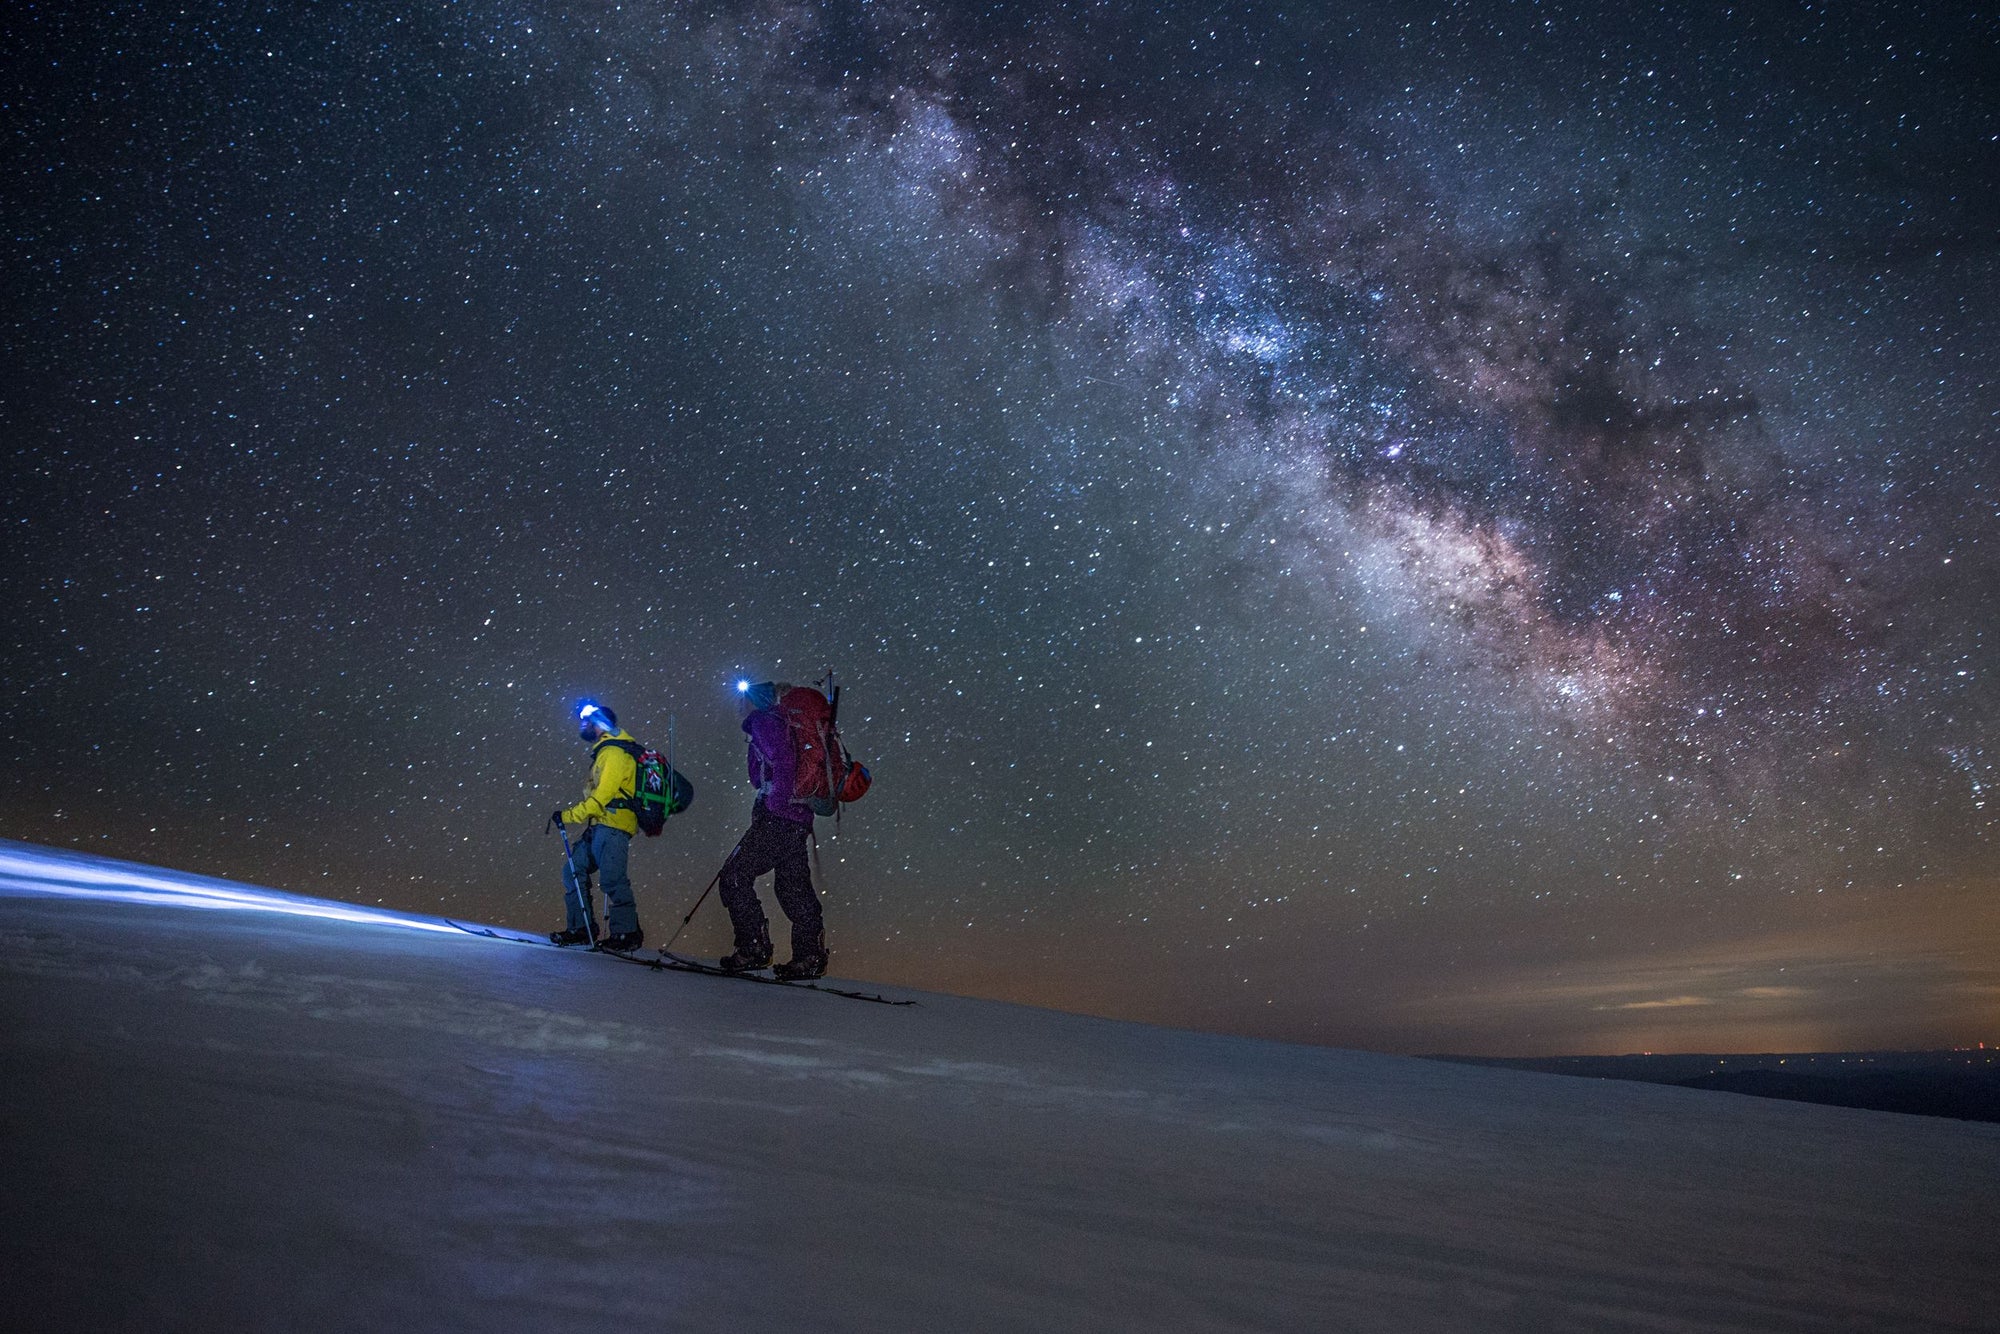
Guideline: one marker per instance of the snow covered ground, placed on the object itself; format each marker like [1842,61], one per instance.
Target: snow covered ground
[226,1109]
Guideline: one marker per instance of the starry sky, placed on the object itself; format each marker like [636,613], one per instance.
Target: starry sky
[1433,528]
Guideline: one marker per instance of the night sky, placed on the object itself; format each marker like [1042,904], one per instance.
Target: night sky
[1464,528]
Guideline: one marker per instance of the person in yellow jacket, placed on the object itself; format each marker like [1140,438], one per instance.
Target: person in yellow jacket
[610,818]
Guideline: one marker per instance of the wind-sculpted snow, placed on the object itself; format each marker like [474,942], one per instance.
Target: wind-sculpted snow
[335,998]
[237,1120]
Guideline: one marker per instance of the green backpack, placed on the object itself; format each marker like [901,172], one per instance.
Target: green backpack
[659,790]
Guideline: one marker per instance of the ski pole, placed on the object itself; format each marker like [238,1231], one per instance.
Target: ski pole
[713,882]
[576,882]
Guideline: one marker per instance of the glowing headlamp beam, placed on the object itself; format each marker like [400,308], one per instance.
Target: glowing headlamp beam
[28,870]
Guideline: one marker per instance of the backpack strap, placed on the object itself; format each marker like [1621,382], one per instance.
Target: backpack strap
[635,750]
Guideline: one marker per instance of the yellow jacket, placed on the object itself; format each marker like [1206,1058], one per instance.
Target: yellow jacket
[614,780]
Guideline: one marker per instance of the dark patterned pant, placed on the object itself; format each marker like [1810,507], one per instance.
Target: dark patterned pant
[773,845]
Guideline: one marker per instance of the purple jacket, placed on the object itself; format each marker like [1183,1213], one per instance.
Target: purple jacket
[774,765]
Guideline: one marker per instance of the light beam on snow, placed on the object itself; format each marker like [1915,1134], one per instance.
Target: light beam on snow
[26,869]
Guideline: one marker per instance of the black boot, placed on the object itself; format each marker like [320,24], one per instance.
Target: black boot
[808,956]
[803,969]
[570,935]
[624,942]
[755,953]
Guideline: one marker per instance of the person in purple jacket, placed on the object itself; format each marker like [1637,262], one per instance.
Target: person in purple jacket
[775,841]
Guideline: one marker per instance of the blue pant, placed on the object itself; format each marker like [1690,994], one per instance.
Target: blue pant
[601,850]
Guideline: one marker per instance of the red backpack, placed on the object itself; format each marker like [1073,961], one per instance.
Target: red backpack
[826,775]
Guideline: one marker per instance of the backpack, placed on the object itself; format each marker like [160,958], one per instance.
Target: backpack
[826,775]
[659,789]
[662,791]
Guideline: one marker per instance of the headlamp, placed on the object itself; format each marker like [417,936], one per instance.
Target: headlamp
[590,716]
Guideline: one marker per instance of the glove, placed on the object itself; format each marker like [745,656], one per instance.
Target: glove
[555,821]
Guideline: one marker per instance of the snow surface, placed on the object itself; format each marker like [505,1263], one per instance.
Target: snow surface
[224,1108]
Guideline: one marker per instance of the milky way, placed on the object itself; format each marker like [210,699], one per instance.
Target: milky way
[1525,410]
[1331,522]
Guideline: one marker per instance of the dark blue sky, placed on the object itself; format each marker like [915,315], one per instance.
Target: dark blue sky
[1428,530]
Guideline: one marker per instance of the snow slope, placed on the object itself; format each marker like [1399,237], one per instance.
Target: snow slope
[223,1108]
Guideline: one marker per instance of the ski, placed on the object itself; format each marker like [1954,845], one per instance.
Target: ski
[485,931]
[680,964]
